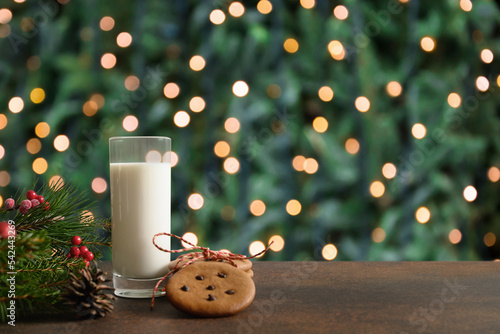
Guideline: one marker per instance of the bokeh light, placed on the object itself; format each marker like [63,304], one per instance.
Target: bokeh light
[293,207]
[232,125]
[494,174]
[362,104]
[418,131]
[394,88]
[291,45]
[2,152]
[236,9]
[454,100]
[466,5]
[89,108]
[329,252]
[482,83]
[98,99]
[16,104]
[336,49]
[107,23]
[124,39]
[174,159]
[37,95]
[455,236]
[310,166]
[298,163]
[33,146]
[222,149]
[5,16]
[377,189]
[33,63]
[231,165]
[427,44]
[171,90]
[195,201]
[181,119]
[378,235]
[470,193]
[130,123]
[256,247]
[389,170]
[189,237]
[325,94]
[197,63]
[108,61]
[278,243]
[308,4]
[131,83]
[56,182]
[487,56]
[227,213]
[217,16]
[257,208]
[340,12]
[197,104]
[4,178]
[320,124]
[42,129]
[3,121]
[352,146]
[240,88]
[61,143]
[264,6]
[40,165]
[274,91]
[422,215]
[489,239]
[4,30]
[99,185]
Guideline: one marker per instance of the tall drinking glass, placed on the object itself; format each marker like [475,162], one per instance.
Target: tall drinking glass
[140,208]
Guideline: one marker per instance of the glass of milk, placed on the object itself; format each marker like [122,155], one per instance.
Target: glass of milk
[140,208]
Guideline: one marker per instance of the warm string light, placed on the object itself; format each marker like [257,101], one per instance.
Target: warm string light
[352,146]
[455,236]
[466,5]
[329,252]
[256,247]
[197,104]
[422,215]
[174,159]
[56,180]
[99,185]
[236,9]
[274,91]
[394,88]
[418,130]
[37,95]
[107,23]
[124,39]
[308,4]
[131,83]
[482,83]
[171,90]
[470,194]
[197,63]
[291,45]
[217,16]
[189,237]
[40,165]
[494,174]
[181,119]
[278,243]
[362,104]
[195,201]
[231,165]
[240,88]
[2,152]
[320,124]
[257,208]
[4,178]
[298,163]
[389,170]
[61,143]
[3,121]
[90,108]
[325,94]
[42,129]
[130,123]
[222,149]
[232,125]
[310,166]
[108,61]
[489,239]
[427,44]
[16,104]
[264,7]
[33,146]
[454,100]
[5,16]
[377,189]
[293,207]
[378,235]
[340,12]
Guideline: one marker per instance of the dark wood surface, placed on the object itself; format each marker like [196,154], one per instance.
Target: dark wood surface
[325,297]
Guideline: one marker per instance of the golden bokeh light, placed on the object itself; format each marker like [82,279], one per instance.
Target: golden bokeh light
[329,252]
[240,88]
[56,182]
[236,9]
[340,12]
[197,104]
[3,121]
[389,170]
[489,239]
[308,4]
[108,61]
[107,23]
[291,45]
[394,88]
[482,83]
[427,44]
[418,130]
[466,5]
[171,90]
[227,213]
[377,189]
[181,119]
[231,165]
[98,99]
[2,152]
[5,16]
[16,104]
[256,247]
[37,95]
[362,104]
[99,185]
[174,159]
[422,215]
[320,124]
[197,63]
[378,235]
[494,174]
[335,48]
[455,236]
[61,143]
[191,238]
[217,16]
[222,149]
[42,129]
[232,125]
[274,91]
[124,39]
[454,100]
[470,194]
[33,146]
[4,178]
[310,166]
[278,243]
[293,207]
[325,94]
[298,163]
[195,201]
[132,83]
[487,56]
[257,208]
[89,108]
[264,6]
[352,146]
[130,123]
[4,30]
[40,165]
[33,63]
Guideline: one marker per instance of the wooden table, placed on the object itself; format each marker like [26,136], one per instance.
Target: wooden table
[325,297]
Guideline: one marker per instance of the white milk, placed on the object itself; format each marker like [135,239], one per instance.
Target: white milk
[140,203]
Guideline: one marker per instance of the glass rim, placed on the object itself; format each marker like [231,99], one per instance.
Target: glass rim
[138,137]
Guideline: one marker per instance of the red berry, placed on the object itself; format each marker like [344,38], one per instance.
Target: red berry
[9,203]
[31,194]
[76,240]
[46,206]
[6,230]
[88,256]
[26,204]
[74,251]
[87,263]
[23,210]
[68,255]
[40,198]
[83,250]
[34,203]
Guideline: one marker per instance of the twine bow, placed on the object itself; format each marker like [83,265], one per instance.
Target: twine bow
[189,258]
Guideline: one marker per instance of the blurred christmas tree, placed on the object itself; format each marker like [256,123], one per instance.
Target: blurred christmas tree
[349,130]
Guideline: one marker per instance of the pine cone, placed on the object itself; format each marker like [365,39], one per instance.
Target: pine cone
[86,294]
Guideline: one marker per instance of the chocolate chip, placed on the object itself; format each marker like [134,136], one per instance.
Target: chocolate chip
[199,278]
[230,292]
[210,287]
[221,275]
[210,297]
[185,288]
